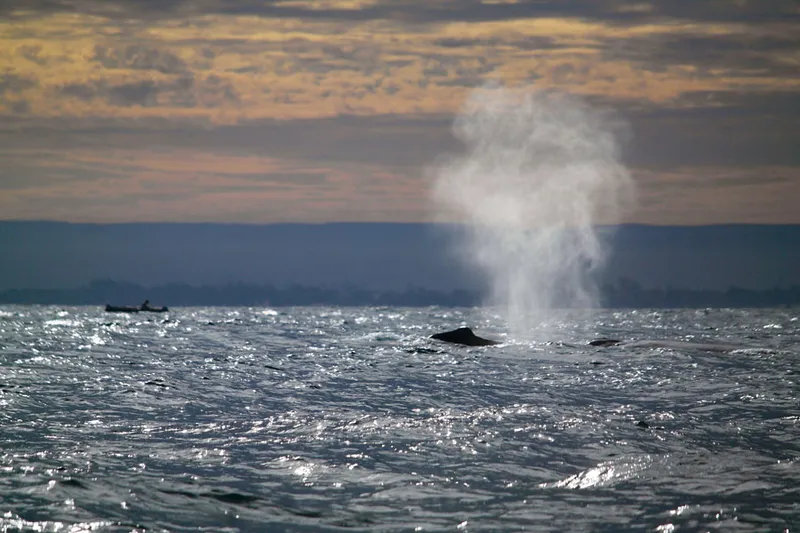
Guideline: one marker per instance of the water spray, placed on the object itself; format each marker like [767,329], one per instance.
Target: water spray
[540,172]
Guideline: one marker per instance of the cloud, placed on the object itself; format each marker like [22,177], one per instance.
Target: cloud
[235,62]
[11,83]
[431,11]
[353,99]
[767,103]
[353,168]
[180,91]
[31,53]
[12,91]
[718,195]
[144,93]
[139,57]
[82,91]
[744,53]
[743,128]
[381,141]
[521,42]
[193,185]
[728,128]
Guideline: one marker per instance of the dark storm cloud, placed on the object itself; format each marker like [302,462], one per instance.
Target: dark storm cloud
[754,11]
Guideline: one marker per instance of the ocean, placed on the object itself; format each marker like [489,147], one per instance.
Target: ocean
[353,419]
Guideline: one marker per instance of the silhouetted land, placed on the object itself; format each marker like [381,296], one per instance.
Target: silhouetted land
[365,262]
[624,294]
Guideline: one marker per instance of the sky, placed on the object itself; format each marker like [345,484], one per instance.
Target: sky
[261,111]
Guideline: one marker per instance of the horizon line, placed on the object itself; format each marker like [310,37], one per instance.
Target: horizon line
[384,223]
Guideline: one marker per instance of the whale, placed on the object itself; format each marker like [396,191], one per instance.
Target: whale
[464,336]
[604,342]
[665,343]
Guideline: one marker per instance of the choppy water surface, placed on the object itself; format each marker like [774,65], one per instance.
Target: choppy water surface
[323,419]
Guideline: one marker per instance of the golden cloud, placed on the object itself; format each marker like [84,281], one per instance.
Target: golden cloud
[230,68]
[61,69]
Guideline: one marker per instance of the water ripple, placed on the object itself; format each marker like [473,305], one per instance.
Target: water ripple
[315,419]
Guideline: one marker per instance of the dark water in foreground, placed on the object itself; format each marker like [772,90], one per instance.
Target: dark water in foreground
[323,419]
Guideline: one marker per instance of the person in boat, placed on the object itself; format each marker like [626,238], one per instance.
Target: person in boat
[145,305]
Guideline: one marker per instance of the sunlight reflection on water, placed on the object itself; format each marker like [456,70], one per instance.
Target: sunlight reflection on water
[317,419]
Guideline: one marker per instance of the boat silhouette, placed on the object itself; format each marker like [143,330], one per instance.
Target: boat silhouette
[145,308]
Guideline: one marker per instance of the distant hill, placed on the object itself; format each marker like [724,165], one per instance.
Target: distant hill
[375,257]
[60,255]
[625,293]
[706,257]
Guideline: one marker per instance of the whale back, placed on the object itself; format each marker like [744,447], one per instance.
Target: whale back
[463,336]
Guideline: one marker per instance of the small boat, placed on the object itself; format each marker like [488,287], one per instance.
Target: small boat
[134,309]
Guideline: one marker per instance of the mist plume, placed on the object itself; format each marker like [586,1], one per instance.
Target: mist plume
[540,171]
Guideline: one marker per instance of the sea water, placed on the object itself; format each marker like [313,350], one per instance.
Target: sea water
[353,419]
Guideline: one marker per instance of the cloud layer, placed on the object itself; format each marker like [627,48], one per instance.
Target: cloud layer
[323,110]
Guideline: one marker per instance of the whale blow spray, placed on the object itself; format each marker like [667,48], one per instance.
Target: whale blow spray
[541,170]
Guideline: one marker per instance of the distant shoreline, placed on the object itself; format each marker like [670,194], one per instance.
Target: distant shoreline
[376,263]
[625,294]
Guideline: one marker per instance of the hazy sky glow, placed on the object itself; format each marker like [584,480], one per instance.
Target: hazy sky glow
[312,111]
